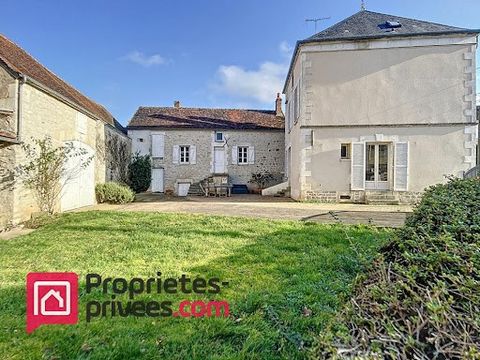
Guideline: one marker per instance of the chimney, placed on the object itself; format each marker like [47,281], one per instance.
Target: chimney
[176,104]
[278,106]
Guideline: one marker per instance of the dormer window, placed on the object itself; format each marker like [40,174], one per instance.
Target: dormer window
[219,136]
[393,24]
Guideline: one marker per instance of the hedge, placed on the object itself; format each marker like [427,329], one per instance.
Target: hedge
[421,297]
[140,173]
[114,193]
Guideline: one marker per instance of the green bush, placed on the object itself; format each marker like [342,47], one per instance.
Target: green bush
[421,299]
[114,193]
[140,173]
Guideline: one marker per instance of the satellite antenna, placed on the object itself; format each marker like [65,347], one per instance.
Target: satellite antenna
[316,21]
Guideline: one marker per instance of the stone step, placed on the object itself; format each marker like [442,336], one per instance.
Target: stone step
[386,198]
[381,197]
[195,190]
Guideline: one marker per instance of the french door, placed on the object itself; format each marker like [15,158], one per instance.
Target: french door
[377,166]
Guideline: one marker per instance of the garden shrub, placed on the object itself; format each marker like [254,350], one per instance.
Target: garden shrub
[421,297]
[114,193]
[140,173]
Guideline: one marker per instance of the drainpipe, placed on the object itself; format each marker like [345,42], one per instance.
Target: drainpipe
[23,80]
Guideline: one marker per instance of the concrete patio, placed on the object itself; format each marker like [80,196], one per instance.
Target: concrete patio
[268,207]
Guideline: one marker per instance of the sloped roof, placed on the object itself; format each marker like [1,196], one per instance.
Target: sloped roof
[368,24]
[20,62]
[198,118]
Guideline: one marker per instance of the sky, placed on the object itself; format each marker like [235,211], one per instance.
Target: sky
[205,53]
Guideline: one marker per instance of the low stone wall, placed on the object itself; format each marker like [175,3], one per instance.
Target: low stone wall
[410,197]
[321,196]
[358,197]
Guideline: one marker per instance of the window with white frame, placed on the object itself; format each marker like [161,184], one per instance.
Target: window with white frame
[243,155]
[218,136]
[184,154]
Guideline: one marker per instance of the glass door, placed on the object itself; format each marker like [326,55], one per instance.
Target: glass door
[377,167]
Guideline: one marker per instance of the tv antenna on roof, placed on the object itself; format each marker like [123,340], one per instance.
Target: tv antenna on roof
[316,21]
[363,7]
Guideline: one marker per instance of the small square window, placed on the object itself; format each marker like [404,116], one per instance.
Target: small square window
[345,151]
[218,136]
[140,140]
[184,154]
[243,154]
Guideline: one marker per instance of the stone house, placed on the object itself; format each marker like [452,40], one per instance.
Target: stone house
[35,103]
[188,145]
[379,107]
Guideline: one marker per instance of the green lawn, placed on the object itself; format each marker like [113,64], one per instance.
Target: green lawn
[286,280]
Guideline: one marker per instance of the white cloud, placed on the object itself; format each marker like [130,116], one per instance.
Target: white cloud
[258,86]
[285,49]
[140,58]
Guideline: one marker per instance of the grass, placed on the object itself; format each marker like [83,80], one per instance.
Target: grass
[286,280]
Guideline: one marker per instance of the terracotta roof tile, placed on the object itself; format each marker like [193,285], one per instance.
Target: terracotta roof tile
[197,118]
[21,62]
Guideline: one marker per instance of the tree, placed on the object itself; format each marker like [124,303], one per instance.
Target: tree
[46,173]
[140,173]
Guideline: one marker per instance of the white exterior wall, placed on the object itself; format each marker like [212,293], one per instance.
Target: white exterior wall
[434,152]
[417,90]
[268,149]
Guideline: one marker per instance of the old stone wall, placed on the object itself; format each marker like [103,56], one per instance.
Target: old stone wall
[44,115]
[268,152]
[8,94]
[117,152]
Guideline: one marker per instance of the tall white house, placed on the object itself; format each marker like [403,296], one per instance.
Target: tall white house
[379,107]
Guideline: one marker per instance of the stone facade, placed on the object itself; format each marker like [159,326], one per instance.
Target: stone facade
[267,145]
[44,115]
[117,152]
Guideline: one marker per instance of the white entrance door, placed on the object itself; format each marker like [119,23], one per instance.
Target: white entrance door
[78,182]
[219,160]
[377,166]
[157,180]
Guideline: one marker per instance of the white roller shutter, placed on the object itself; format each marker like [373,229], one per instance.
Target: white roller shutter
[251,155]
[158,145]
[234,155]
[358,166]
[193,154]
[176,154]
[400,179]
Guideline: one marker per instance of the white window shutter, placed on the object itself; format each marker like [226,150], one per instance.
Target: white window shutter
[234,155]
[251,155]
[358,166]
[193,154]
[158,145]
[400,178]
[176,154]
